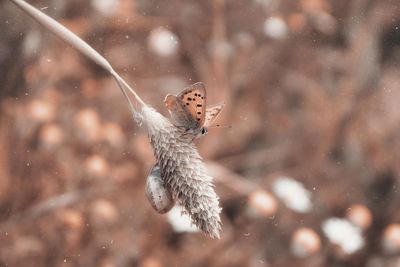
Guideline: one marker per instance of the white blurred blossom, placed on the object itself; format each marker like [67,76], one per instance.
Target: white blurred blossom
[105,7]
[262,203]
[180,222]
[265,3]
[163,42]
[391,239]
[293,194]
[344,234]
[31,43]
[360,216]
[305,242]
[275,27]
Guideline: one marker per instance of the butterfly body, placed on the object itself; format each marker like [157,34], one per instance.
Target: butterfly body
[188,109]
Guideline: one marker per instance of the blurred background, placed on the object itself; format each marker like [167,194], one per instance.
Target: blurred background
[308,174]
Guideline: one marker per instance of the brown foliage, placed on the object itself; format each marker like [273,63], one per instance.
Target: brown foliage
[312,94]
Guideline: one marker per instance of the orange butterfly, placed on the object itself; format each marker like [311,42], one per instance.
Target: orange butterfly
[188,109]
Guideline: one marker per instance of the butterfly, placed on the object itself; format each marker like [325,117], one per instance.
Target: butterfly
[188,109]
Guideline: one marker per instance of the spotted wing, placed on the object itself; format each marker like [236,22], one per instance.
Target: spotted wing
[178,112]
[212,113]
[194,99]
[188,107]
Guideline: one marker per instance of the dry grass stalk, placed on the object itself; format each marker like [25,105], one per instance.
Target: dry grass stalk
[184,172]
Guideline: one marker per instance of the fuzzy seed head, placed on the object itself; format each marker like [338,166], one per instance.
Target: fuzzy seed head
[184,172]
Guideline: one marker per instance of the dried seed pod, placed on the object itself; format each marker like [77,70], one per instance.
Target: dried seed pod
[158,195]
[183,171]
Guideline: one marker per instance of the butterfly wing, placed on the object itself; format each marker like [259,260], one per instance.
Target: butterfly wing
[178,112]
[194,100]
[212,113]
[188,107]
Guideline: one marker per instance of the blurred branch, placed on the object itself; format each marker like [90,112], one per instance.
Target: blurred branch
[258,158]
[191,44]
[231,180]
[47,206]
[363,69]
[219,51]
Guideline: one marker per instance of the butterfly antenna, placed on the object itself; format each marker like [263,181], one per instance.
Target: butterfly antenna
[220,126]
